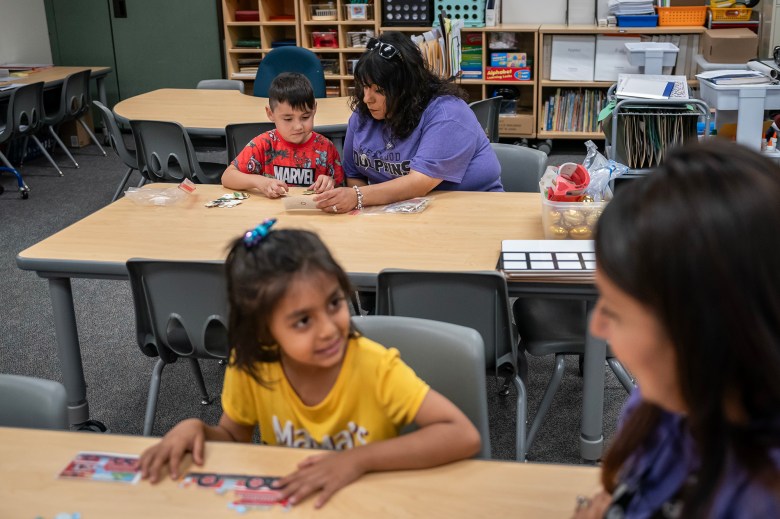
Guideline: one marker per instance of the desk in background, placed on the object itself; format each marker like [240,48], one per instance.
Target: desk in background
[32,459]
[459,231]
[54,76]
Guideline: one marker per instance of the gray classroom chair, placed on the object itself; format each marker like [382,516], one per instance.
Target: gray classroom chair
[477,300]
[73,106]
[423,344]
[165,154]
[521,167]
[172,324]
[487,111]
[221,84]
[32,402]
[238,136]
[128,156]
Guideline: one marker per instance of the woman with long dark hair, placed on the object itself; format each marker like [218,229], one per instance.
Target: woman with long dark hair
[411,132]
[689,279]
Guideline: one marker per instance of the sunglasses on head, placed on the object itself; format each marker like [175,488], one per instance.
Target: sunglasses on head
[385,50]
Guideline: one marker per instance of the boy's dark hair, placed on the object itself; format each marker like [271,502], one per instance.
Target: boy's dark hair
[696,243]
[406,80]
[292,88]
[257,278]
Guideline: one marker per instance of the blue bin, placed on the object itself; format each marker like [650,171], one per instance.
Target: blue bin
[637,20]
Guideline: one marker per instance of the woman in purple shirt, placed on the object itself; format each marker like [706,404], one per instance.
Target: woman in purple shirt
[690,303]
[411,132]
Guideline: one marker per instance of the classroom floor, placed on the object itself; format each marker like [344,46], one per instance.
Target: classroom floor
[117,373]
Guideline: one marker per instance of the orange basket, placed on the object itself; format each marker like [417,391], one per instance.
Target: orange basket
[731,13]
[680,16]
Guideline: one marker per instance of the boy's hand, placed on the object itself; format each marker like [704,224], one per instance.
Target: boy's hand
[188,436]
[326,473]
[273,188]
[323,183]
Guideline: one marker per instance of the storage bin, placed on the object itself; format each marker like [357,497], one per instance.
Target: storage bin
[571,220]
[359,12]
[330,65]
[351,65]
[639,20]
[358,38]
[323,12]
[247,16]
[410,13]
[472,12]
[681,16]
[731,14]
[324,40]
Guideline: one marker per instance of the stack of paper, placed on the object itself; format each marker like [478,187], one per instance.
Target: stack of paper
[631,7]
[644,86]
[549,261]
[734,77]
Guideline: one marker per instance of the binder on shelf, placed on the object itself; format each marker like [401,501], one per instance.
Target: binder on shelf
[651,87]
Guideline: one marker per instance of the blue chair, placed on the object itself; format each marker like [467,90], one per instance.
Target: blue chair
[289,59]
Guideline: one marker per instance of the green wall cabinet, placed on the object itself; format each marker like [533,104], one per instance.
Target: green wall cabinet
[149,44]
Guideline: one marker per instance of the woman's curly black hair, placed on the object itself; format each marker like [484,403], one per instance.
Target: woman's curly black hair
[406,80]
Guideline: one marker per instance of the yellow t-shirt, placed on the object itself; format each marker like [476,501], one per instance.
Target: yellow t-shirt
[374,396]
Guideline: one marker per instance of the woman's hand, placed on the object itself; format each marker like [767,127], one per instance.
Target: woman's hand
[592,508]
[322,184]
[338,200]
[323,473]
[188,436]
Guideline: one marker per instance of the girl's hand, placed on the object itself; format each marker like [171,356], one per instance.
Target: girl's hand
[188,436]
[323,473]
[338,200]
[592,508]
[322,184]
[273,188]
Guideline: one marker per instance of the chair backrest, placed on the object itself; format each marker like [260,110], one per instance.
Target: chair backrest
[238,135]
[487,111]
[289,59]
[170,321]
[477,300]
[115,135]
[32,402]
[25,111]
[521,167]
[165,152]
[74,98]
[450,358]
[221,84]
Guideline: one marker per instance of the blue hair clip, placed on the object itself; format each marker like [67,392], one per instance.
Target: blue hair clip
[256,235]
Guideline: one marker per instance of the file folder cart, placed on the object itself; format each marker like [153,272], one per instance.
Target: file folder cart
[744,105]
[640,131]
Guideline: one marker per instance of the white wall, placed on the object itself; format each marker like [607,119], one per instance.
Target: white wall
[24,37]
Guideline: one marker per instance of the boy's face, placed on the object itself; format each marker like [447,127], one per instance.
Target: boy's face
[293,125]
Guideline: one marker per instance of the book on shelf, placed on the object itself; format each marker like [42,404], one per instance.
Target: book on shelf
[573,110]
[644,86]
[734,77]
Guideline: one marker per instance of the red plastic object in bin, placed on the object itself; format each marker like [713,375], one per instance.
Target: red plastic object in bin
[247,16]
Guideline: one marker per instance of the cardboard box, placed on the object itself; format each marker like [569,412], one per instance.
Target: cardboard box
[507,74]
[515,125]
[729,45]
[74,135]
[572,57]
[612,57]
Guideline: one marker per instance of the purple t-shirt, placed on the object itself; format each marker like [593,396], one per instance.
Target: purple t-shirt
[449,143]
[657,472]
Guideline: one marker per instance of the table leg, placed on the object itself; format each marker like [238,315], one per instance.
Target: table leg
[592,427]
[68,349]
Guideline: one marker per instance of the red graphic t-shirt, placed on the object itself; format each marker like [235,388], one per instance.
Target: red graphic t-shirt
[296,164]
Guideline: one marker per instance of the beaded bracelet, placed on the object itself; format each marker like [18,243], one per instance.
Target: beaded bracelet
[359,205]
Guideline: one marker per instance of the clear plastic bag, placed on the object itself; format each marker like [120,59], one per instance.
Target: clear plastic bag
[414,205]
[161,196]
[602,171]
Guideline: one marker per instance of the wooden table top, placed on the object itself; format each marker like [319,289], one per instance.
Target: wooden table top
[458,231]
[32,460]
[53,74]
[215,109]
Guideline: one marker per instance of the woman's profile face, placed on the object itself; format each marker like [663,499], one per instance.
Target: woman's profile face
[374,97]
[638,340]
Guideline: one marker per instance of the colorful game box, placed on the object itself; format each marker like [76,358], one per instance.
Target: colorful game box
[102,466]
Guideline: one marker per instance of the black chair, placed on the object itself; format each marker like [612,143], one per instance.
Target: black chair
[73,105]
[173,324]
[128,156]
[238,135]
[165,154]
[487,111]
[32,402]
[289,59]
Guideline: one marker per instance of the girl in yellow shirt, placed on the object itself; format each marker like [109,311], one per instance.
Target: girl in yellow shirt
[300,371]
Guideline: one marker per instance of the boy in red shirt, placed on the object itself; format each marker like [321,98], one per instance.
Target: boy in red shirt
[291,154]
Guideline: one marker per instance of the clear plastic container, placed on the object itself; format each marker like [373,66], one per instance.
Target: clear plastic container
[359,12]
[571,220]
[324,40]
[324,12]
[359,38]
